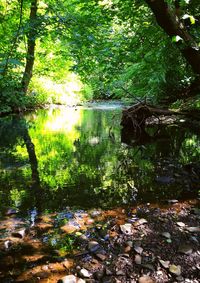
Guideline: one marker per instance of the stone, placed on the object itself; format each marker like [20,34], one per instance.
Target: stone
[138,249]
[172,201]
[20,233]
[71,279]
[165,264]
[166,235]
[85,273]
[180,224]
[101,256]
[126,229]
[146,279]
[11,211]
[140,222]
[175,269]
[185,249]
[120,273]
[99,274]
[138,259]
[193,229]
[93,246]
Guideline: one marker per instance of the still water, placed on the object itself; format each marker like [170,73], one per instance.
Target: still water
[60,157]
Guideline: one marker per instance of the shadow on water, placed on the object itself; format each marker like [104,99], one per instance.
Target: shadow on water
[79,157]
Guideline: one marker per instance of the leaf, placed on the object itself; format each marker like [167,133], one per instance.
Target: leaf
[176,38]
[192,20]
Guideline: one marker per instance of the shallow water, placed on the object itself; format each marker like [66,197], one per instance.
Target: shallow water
[74,157]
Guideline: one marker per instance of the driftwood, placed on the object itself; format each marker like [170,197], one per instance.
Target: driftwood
[135,116]
[135,119]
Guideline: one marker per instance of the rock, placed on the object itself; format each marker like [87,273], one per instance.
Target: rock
[129,243]
[93,246]
[7,244]
[120,273]
[99,274]
[172,201]
[85,273]
[180,279]
[126,229]
[185,249]
[138,259]
[165,264]
[175,269]
[20,233]
[127,249]
[180,224]
[146,279]
[71,279]
[166,235]
[101,256]
[11,211]
[138,249]
[108,272]
[140,222]
[193,229]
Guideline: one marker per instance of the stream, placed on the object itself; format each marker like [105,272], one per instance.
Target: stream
[64,168]
[62,157]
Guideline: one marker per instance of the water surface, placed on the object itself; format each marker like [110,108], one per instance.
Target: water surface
[51,159]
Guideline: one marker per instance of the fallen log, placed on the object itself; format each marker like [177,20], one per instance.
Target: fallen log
[135,116]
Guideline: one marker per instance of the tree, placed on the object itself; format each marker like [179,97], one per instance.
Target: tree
[32,33]
[171,21]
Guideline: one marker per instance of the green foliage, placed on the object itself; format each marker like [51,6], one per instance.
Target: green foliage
[115,47]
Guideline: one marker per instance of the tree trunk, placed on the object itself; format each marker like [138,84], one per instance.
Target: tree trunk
[31,46]
[171,23]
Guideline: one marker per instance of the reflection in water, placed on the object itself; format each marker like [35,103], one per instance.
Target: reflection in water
[74,157]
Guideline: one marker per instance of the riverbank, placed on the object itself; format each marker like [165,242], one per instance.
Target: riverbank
[145,244]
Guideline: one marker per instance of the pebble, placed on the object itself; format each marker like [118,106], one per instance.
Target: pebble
[175,269]
[138,250]
[71,279]
[138,259]
[180,224]
[193,229]
[146,279]
[93,246]
[101,256]
[126,229]
[165,264]
[19,234]
[85,273]
[166,235]
[140,222]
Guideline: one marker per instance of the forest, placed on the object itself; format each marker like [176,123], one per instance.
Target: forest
[65,52]
[99,141]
